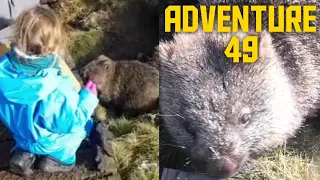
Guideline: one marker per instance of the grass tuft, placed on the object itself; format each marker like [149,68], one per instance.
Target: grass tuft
[121,126]
[86,45]
[73,10]
[298,160]
[136,149]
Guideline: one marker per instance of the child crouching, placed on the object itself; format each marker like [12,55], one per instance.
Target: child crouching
[46,115]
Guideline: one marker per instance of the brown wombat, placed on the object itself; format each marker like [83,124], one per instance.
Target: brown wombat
[152,61]
[128,87]
[216,115]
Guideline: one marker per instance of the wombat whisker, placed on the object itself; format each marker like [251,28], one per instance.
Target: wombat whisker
[161,88]
[182,147]
[188,162]
[166,70]
[171,116]
[212,150]
[176,114]
[195,169]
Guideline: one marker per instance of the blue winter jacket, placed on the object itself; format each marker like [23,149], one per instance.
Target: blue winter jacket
[45,114]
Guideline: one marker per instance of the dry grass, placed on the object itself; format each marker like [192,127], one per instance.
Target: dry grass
[119,4]
[101,113]
[74,10]
[286,164]
[298,160]
[136,149]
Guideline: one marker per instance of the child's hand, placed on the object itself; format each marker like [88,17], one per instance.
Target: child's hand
[90,86]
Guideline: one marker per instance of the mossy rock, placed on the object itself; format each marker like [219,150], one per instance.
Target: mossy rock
[122,5]
[85,46]
[118,4]
[72,11]
[99,20]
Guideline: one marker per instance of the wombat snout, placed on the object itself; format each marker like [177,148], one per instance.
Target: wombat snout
[84,74]
[223,167]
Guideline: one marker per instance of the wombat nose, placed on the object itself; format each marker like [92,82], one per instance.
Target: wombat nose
[223,168]
[83,73]
[80,71]
[226,167]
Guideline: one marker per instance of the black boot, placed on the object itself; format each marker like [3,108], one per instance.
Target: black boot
[21,162]
[48,164]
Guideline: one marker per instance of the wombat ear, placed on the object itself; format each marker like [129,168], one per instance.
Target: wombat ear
[180,42]
[266,49]
[102,57]
[166,50]
[106,64]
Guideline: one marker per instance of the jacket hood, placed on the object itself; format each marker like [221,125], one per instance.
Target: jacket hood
[22,88]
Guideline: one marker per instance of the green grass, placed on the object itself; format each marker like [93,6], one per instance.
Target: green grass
[86,45]
[136,149]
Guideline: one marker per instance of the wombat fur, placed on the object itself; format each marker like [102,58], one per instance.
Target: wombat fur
[130,87]
[217,115]
[152,61]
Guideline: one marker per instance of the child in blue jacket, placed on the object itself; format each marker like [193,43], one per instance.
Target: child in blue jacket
[47,117]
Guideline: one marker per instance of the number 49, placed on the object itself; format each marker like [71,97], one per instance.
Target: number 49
[246,48]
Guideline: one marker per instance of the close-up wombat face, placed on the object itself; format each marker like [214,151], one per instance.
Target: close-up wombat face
[218,112]
[97,70]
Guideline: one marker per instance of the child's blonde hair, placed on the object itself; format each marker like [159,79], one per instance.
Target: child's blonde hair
[38,31]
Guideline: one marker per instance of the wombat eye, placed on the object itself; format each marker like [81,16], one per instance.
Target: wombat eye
[189,129]
[245,118]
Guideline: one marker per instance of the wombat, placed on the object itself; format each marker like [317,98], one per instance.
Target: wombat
[152,61]
[131,87]
[215,115]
